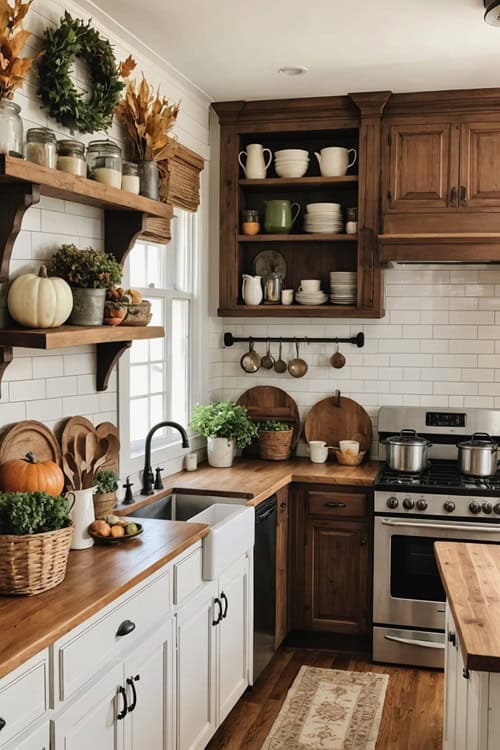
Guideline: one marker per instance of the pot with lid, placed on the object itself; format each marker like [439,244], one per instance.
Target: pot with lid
[407,452]
[478,456]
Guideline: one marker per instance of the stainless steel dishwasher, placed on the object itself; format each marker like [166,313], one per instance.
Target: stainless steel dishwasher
[264,584]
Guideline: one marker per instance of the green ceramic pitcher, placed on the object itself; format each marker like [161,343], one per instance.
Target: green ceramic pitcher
[279,218]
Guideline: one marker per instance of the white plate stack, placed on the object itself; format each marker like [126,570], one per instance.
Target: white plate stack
[343,287]
[323,218]
[311,298]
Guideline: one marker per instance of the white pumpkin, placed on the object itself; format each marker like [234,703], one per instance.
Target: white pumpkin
[39,301]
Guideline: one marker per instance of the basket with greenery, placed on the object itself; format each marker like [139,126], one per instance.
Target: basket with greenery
[106,483]
[275,440]
[224,420]
[85,269]
[35,537]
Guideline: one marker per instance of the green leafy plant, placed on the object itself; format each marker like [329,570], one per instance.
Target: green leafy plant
[106,481]
[272,425]
[226,420]
[85,269]
[32,513]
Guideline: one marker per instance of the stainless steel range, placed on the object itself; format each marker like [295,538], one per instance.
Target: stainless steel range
[412,511]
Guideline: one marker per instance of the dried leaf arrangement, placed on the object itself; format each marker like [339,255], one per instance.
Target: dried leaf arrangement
[13,68]
[148,118]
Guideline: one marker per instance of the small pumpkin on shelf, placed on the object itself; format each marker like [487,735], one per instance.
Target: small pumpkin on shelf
[30,475]
[37,301]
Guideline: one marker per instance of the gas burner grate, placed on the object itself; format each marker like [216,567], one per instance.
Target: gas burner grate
[441,475]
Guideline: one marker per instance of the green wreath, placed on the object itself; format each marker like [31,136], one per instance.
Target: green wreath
[71,39]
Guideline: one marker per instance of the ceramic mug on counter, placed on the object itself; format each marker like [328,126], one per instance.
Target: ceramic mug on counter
[350,447]
[318,451]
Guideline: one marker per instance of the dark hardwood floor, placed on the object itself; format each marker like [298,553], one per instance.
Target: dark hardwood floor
[413,709]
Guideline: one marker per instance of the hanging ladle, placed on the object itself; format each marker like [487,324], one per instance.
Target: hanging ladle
[337,359]
[297,367]
[267,361]
[250,361]
[280,364]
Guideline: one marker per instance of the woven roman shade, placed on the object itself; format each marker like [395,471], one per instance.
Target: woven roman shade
[183,188]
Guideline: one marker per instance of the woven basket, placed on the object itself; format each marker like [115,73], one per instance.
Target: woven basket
[104,504]
[32,563]
[275,446]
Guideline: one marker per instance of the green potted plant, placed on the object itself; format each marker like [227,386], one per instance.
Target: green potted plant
[226,427]
[89,273]
[275,440]
[106,483]
[35,537]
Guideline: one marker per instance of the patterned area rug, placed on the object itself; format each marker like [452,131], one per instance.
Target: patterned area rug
[330,709]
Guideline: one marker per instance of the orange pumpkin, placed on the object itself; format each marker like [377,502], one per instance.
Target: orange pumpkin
[29,475]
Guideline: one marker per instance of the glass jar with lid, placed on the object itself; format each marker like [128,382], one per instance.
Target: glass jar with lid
[250,224]
[41,147]
[130,177]
[104,163]
[351,226]
[11,129]
[71,157]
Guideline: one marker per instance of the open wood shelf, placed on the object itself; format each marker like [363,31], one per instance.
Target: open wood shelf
[297,311]
[299,182]
[323,237]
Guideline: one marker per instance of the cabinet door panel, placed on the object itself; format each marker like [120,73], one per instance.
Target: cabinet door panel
[336,585]
[423,166]
[480,164]
[281,628]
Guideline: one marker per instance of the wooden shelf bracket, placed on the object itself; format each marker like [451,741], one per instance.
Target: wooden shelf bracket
[108,355]
[16,199]
[5,360]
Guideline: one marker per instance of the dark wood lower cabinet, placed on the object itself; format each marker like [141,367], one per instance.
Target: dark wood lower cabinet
[282,562]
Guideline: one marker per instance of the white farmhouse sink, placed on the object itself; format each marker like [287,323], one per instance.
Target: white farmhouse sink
[231,534]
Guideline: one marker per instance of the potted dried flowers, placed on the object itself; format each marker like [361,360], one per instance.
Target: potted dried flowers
[148,118]
[89,273]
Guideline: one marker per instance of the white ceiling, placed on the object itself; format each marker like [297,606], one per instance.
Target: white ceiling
[232,50]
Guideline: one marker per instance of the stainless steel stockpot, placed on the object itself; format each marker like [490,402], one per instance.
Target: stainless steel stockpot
[407,452]
[478,457]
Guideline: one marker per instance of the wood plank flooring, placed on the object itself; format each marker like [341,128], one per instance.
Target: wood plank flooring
[413,709]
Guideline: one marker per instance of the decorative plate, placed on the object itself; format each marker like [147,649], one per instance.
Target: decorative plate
[267,261]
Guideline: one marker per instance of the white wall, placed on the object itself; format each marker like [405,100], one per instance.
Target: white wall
[60,384]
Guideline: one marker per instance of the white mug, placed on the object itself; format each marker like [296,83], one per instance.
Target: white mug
[351,447]
[81,507]
[287,296]
[310,285]
[318,451]
[255,167]
[334,160]
[191,462]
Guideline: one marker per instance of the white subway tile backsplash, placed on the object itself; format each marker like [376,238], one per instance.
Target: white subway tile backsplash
[27,390]
[44,410]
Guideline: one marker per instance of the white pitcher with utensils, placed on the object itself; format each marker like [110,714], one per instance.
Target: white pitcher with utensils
[256,166]
[81,508]
[334,161]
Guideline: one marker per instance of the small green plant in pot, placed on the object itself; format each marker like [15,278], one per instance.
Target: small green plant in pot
[106,483]
[89,273]
[275,440]
[226,427]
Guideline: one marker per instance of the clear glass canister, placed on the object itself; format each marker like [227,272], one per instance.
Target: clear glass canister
[11,129]
[104,163]
[41,147]
[71,157]
[130,177]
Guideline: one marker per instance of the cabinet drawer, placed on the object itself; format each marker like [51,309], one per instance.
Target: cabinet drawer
[82,655]
[336,504]
[188,575]
[24,697]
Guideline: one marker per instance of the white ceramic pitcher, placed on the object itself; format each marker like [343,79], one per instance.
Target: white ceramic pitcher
[256,166]
[82,514]
[334,160]
[251,290]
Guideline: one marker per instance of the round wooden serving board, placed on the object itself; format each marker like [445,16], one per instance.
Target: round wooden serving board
[268,402]
[338,418]
[29,436]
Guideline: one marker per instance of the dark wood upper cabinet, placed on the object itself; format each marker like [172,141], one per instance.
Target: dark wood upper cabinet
[480,165]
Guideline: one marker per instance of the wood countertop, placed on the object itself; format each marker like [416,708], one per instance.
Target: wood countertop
[471,579]
[94,578]
[257,480]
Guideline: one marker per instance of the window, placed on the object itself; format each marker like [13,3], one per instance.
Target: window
[157,383]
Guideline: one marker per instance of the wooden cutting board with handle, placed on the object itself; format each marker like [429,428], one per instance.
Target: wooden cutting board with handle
[268,402]
[339,418]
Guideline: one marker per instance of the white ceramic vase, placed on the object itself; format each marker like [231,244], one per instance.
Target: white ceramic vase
[256,165]
[251,289]
[81,503]
[221,451]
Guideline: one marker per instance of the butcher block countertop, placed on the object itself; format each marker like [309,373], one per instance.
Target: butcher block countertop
[94,578]
[471,579]
[257,480]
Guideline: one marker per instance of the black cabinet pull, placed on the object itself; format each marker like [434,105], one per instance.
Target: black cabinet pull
[2,723]
[466,673]
[283,506]
[335,505]
[452,638]
[131,681]
[219,617]
[121,714]
[453,195]
[226,604]
[125,628]
[463,195]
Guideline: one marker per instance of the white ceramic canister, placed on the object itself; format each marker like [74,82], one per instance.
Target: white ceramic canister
[256,166]
[221,451]
[251,289]
[82,514]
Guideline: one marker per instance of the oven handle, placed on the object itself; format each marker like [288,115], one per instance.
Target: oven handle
[442,527]
[410,642]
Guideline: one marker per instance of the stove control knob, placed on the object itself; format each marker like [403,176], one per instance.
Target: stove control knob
[474,507]
[421,504]
[392,502]
[449,506]
[487,508]
[408,503]
[496,509]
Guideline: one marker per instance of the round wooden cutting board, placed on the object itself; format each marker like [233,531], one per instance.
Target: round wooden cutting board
[29,436]
[338,418]
[268,402]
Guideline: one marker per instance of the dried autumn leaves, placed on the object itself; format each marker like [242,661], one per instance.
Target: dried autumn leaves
[13,68]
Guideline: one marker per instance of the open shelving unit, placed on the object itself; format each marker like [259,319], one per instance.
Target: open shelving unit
[127,217]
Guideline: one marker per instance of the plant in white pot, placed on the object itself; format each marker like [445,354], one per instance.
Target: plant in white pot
[226,427]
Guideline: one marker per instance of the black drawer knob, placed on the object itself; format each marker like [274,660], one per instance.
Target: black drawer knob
[2,723]
[125,628]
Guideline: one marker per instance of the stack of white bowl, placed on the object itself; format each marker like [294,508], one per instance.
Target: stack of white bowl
[310,293]
[343,287]
[291,162]
[323,218]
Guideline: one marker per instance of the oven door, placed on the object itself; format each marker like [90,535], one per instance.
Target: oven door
[407,588]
